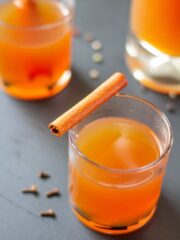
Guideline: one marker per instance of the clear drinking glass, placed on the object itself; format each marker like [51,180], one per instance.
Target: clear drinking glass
[153,44]
[35,47]
[118,201]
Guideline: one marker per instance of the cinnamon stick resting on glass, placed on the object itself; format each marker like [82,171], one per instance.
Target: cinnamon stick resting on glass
[88,104]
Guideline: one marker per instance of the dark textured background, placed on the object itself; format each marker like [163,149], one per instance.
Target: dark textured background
[26,146]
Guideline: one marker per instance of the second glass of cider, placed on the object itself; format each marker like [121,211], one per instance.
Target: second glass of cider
[153,44]
[35,47]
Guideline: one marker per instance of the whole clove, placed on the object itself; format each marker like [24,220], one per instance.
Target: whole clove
[44,175]
[31,190]
[54,192]
[49,213]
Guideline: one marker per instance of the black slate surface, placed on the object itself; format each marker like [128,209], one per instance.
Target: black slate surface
[26,146]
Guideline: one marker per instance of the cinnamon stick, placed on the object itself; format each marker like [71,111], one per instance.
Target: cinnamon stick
[87,105]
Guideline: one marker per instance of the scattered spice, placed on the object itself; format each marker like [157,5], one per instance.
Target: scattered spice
[32,190]
[170,107]
[43,175]
[97,57]
[88,37]
[96,45]
[94,74]
[49,213]
[54,192]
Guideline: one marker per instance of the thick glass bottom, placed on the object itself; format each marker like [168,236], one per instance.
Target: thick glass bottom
[38,93]
[154,69]
[113,230]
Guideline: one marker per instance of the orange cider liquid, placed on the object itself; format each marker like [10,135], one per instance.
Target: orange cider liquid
[35,44]
[158,23]
[115,202]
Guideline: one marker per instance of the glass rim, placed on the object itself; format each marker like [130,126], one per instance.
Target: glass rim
[138,169]
[67,18]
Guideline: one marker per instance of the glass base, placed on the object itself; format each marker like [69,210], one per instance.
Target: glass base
[110,229]
[38,93]
[152,68]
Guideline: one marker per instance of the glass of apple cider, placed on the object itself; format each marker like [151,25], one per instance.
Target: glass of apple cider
[35,47]
[117,161]
[153,44]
